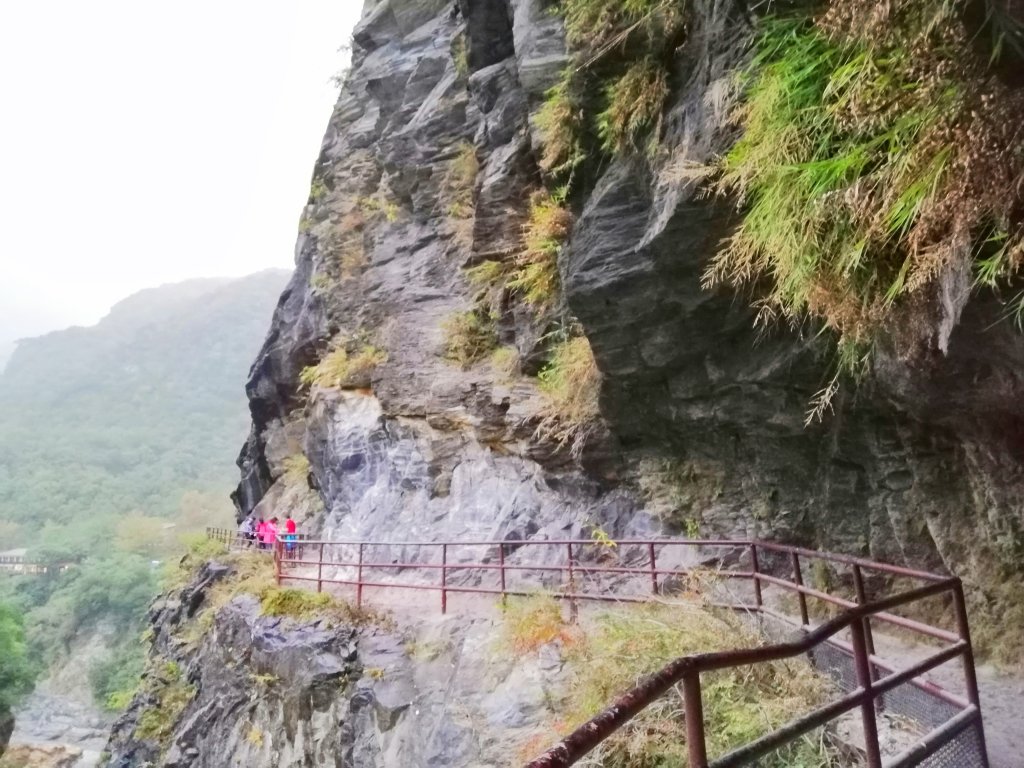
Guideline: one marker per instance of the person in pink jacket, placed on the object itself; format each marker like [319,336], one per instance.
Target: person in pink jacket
[261,528]
[270,533]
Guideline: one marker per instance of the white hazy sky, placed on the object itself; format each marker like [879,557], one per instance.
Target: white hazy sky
[149,141]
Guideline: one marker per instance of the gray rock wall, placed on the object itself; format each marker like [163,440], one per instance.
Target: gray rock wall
[921,463]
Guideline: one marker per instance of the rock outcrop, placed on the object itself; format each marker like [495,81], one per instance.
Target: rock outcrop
[263,691]
[922,463]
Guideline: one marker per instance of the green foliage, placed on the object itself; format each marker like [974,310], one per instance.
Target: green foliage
[202,547]
[599,26]
[488,275]
[460,55]
[296,603]
[469,337]
[535,621]
[572,383]
[115,679]
[344,368]
[17,674]
[157,723]
[321,283]
[460,181]
[612,96]
[562,123]
[317,190]
[536,275]
[620,647]
[875,156]
[505,361]
[380,206]
[635,104]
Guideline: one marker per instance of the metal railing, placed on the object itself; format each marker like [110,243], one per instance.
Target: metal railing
[638,570]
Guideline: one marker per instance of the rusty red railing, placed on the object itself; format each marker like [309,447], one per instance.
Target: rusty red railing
[637,570]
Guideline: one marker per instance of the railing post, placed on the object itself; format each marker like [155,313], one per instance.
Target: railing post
[444,578]
[501,573]
[862,664]
[573,610]
[277,562]
[755,566]
[654,567]
[798,579]
[694,713]
[869,640]
[359,578]
[967,659]
[320,569]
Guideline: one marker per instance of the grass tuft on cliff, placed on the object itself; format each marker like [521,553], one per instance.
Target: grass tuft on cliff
[536,276]
[572,383]
[611,98]
[344,367]
[469,337]
[610,652]
[878,156]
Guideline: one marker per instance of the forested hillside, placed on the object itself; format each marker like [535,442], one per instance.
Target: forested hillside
[114,441]
[127,416]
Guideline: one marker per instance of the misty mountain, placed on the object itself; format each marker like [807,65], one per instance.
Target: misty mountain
[125,416]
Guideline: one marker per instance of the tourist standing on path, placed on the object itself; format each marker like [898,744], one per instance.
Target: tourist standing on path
[270,533]
[289,533]
[247,530]
[261,531]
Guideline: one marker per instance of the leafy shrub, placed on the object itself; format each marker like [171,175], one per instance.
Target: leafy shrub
[469,337]
[380,206]
[341,368]
[877,154]
[562,124]
[318,190]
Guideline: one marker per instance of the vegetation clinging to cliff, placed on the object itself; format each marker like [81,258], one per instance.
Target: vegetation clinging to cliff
[608,654]
[612,96]
[878,154]
[16,673]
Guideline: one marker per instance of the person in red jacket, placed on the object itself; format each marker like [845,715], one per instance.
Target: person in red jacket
[289,533]
[261,529]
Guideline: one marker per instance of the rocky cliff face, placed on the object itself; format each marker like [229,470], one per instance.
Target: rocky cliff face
[920,464]
[250,689]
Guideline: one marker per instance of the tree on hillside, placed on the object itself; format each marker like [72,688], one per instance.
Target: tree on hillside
[16,673]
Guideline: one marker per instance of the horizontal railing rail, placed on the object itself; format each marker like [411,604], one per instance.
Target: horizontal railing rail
[687,670]
[639,570]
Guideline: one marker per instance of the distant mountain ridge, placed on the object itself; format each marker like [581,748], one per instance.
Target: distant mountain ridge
[124,416]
